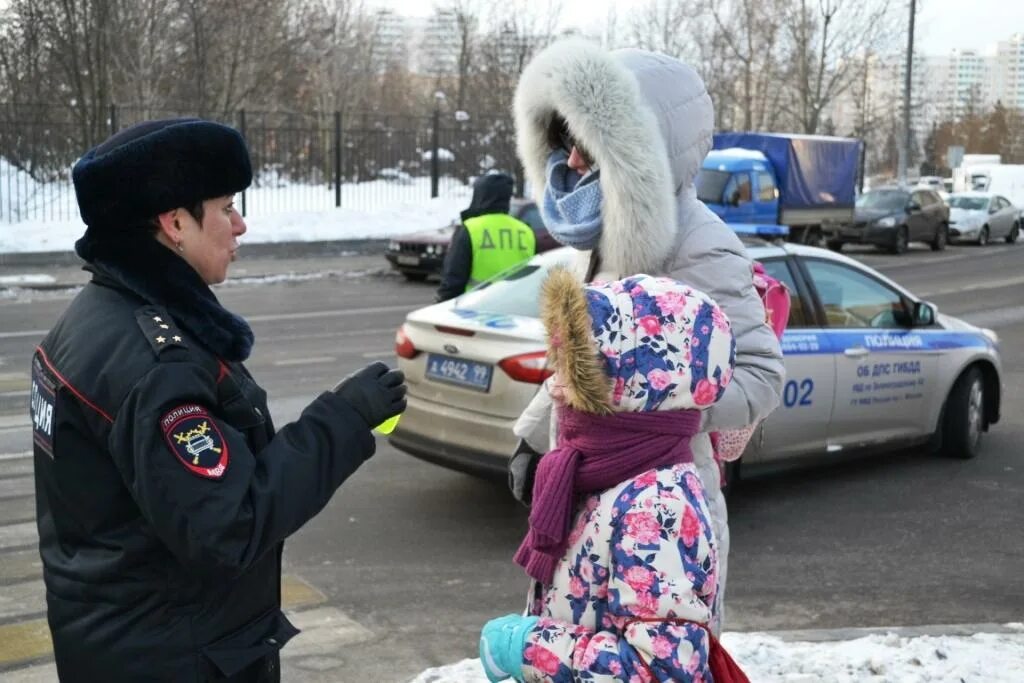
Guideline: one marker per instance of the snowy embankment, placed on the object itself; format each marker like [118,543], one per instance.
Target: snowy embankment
[983,657]
[40,217]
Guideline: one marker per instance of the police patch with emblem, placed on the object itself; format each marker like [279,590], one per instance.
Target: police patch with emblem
[194,438]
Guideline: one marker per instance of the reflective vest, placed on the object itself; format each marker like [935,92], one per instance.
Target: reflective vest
[499,242]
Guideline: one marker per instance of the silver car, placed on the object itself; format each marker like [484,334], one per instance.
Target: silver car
[982,216]
[869,367]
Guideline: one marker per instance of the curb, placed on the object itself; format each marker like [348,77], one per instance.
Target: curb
[258,250]
[842,634]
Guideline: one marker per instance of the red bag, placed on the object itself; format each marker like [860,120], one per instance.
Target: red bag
[724,668]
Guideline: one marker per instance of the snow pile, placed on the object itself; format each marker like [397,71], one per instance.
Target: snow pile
[391,209]
[989,657]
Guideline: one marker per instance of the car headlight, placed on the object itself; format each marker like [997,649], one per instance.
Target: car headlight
[887,222]
[393,246]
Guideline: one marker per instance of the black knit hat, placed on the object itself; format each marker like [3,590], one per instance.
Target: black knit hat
[156,166]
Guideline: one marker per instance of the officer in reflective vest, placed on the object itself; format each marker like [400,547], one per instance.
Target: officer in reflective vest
[488,241]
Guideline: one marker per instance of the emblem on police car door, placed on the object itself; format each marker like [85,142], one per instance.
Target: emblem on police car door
[194,438]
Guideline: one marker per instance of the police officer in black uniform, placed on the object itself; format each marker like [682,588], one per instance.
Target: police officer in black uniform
[164,492]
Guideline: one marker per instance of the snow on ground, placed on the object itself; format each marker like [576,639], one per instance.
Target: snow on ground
[984,657]
[286,213]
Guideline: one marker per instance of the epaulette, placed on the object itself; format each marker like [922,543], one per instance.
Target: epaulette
[161,332]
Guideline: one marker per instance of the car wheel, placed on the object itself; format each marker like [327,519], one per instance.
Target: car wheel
[963,417]
[901,241]
[415,277]
[1014,234]
[835,245]
[983,237]
[941,238]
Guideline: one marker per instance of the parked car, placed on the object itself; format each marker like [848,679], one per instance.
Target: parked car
[893,217]
[421,254]
[869,366]
[982,216]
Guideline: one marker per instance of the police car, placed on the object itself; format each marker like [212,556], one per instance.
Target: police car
[869,367]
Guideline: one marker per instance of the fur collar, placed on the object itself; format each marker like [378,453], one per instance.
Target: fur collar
[601,102]
[135,261]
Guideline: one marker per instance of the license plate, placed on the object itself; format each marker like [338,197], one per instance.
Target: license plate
[463,373]
[409,260]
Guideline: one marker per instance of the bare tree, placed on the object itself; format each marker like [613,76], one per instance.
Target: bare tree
[827,42]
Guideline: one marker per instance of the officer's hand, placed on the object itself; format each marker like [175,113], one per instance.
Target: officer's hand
[522,468]
[376,392]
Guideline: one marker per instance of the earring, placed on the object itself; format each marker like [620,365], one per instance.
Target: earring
[181,247]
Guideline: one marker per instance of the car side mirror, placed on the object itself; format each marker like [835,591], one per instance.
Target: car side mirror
[913,207]
[993,210]
[924,314]
[734,198]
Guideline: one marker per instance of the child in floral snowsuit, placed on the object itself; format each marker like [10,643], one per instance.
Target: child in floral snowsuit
[620,541]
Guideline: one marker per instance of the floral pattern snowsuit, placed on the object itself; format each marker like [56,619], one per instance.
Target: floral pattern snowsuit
[638,553]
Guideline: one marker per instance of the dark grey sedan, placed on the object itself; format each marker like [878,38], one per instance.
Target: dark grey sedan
[892,218]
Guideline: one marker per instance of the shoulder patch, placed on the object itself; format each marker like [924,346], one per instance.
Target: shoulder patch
[195,440]
[159,329]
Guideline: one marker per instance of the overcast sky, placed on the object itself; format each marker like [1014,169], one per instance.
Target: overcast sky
[941,24]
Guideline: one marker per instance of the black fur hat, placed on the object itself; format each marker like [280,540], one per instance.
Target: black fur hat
[156,166]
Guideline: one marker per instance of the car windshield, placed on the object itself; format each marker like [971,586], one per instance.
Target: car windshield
[889,200]
[968,203]
[513,292]
[711,185]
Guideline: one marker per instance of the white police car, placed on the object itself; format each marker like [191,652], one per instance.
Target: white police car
[869,366]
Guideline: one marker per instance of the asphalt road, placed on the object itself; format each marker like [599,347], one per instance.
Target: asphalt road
[408,561]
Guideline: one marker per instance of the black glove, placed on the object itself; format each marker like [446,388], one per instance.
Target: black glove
[521,470]
[376,392]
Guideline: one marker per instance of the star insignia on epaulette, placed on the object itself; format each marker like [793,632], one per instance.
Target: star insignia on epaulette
[157,319]
[176,338]
[161,339]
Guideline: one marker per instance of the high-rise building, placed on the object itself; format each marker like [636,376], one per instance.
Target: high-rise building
[962,84]
[438,41]
[1008,72]
[391,37]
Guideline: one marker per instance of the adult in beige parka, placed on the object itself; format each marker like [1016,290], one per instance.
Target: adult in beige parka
[646,123]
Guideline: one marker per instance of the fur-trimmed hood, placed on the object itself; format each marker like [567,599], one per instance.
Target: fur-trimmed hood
[646,119]
[636,345]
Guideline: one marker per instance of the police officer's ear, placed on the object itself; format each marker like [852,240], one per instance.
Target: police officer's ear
[169,230]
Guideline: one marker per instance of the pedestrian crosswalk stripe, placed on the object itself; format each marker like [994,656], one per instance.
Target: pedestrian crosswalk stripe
[27,641]
[20,565]
[17,486]
[18,535]
[24,642]
[297,594]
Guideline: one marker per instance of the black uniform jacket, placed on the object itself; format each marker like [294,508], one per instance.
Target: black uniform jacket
[164,493]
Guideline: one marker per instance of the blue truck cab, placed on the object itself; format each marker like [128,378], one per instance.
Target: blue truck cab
[805,182]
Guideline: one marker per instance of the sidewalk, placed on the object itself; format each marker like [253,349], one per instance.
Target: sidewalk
[965,653]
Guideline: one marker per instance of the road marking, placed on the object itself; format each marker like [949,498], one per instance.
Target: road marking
[22,599]
[296,593]
[23,642]
[388,353]
[328,335]
[305,361]
[14,421]
[336,313]
[987,284]
[20,534]
[323,628]
[19,455]
[25,333]
[21,565]
[13,487]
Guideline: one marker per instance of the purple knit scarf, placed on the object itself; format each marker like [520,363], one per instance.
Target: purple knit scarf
[594,453]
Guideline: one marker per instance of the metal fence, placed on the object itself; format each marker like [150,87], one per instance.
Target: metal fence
[302,161]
